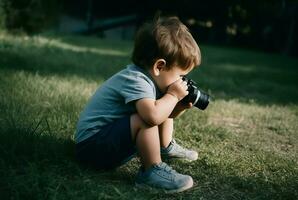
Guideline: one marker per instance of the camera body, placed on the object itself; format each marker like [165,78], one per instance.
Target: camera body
[197,97]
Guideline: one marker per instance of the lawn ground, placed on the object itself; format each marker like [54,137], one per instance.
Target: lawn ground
[247,138]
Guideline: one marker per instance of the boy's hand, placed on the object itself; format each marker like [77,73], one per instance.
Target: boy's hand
[178,89]
[179,109]
[183,106]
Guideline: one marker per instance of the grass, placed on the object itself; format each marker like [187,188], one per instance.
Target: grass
[247,138]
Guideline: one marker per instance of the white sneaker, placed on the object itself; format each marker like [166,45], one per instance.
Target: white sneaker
[174,150]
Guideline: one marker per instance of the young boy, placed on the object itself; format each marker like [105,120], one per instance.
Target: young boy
[133,111]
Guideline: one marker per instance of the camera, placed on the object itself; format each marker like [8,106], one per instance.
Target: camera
[197,97]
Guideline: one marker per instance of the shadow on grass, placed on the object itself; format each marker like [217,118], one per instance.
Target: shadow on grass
[37,165]
[57,63]
[40,166]
[246,76]
[217,182]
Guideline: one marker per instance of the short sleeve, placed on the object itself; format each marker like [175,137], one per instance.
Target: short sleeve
[138,87]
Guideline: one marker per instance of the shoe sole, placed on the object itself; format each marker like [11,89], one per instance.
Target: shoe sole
[179,158]
[147,187]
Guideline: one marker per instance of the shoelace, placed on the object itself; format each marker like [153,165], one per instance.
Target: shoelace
[179,148]
[166,167]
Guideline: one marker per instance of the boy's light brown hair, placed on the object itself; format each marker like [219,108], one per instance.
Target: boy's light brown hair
[168,39]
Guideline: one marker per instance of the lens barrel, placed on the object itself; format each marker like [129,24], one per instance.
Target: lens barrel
[198,98]
[202,100]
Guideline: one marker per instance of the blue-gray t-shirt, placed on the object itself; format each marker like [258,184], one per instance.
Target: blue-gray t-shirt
[114,100]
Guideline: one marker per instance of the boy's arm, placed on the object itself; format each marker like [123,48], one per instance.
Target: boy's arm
[179,109]
[154,112]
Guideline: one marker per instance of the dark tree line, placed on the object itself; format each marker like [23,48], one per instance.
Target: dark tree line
[267,25]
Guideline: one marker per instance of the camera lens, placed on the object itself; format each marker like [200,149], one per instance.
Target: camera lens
[198,98]
[202,100]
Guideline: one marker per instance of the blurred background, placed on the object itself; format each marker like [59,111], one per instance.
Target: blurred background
[55,53]
[269,26]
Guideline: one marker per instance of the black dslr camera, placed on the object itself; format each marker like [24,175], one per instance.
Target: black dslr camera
[198,98]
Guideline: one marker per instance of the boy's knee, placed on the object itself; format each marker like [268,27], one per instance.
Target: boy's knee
[168,121]
[137,123]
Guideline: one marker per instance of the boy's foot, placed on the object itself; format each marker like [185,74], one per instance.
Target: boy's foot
[162,176]
[174,150]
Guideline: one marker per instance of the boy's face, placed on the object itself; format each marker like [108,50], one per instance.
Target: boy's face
[167,77]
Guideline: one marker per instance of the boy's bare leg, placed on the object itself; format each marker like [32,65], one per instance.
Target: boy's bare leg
[148,144]
[166,132]
[174,150]
[147,141]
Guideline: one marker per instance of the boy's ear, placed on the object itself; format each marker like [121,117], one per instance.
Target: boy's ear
[158,66]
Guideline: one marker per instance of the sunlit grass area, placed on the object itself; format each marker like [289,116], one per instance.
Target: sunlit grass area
[247,138]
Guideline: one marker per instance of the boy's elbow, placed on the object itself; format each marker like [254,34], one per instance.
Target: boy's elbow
[152,120]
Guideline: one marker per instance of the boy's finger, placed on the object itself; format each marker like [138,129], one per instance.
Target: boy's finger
[190,105]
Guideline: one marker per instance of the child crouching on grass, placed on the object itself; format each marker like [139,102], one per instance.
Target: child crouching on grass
[132,112]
